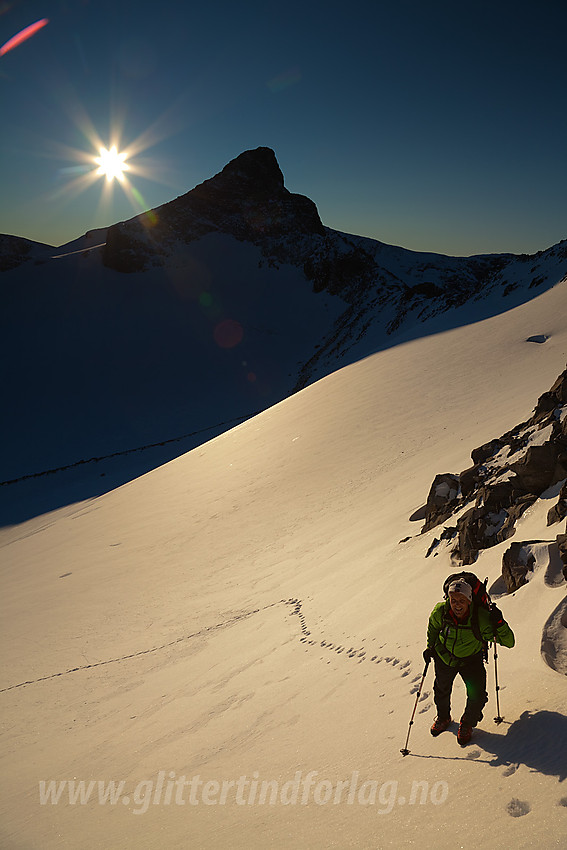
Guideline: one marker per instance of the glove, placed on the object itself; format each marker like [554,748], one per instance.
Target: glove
[427,654]
[496,618]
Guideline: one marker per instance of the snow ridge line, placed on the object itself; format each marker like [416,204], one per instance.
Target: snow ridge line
[224,624]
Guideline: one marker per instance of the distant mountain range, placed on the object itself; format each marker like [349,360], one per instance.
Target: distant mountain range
[210,308]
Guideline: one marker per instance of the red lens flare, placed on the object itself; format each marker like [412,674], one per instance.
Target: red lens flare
[228,334]
[23,35]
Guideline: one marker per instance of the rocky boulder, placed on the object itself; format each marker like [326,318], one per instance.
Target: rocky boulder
[442,499]
[518,560]
[471,479]
[559,511]
[550,401]
[562,546]
[541,467]
[486,525]
[488,450]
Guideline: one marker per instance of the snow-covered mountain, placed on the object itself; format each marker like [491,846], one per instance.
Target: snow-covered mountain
[196,315]
[227,651]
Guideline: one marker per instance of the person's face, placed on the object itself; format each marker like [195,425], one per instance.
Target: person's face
[459,605]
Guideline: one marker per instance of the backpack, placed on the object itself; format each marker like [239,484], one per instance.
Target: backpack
[480,599]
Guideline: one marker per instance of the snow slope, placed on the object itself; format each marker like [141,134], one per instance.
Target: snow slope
[247,614]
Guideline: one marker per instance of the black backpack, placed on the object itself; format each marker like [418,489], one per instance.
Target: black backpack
[480,599]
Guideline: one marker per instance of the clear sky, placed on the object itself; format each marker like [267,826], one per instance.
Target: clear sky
[438,126]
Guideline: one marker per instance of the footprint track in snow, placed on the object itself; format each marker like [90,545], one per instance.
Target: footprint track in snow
[358,653]
[518,808]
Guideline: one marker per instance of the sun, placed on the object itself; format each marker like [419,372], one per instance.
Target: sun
[112,164]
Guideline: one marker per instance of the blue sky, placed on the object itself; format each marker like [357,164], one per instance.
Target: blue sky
[438,126]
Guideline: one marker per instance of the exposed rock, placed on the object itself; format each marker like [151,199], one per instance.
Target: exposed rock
[488,450]
[518,560]
[554,644]
[247,200]
[502,490]
[426,290]
[441,500]
[471,478]
[481,528]
[559,510]
[549,402]
[14,250]
[447,534]
[127,248]
[434,544]
[541,467]
[337,273]
[561,541]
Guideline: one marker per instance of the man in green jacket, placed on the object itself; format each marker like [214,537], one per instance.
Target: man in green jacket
[457,644]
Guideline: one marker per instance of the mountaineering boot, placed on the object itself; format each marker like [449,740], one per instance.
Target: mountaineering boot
[440,726]
[464,734]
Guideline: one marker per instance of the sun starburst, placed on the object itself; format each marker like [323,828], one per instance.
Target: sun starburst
[112,164]
[111,159]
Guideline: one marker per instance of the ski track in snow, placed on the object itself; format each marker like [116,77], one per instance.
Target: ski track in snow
[202,632]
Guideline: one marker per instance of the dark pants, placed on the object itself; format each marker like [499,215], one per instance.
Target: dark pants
[473,674]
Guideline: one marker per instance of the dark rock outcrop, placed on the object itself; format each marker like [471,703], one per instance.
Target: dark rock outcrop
[14,250]
[561,541]
[501,489]
[559,511]
[490,522]
[518,560]
[441,500]
[447,534]
[541,467]
[488,450]
[471,479]
[127,249]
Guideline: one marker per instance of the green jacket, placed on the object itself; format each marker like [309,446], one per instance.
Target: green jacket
[453,642]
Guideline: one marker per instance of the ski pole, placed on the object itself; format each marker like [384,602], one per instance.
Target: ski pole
[404,751]
[498,718]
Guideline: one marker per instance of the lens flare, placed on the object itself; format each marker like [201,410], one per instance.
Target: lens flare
[228,334]
[23,35]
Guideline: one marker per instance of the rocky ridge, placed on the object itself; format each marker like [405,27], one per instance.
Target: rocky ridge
[508,475]
[14,251]
[247,200]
